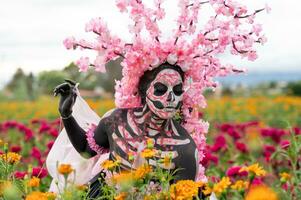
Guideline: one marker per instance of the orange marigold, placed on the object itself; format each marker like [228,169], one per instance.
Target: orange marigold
[221,186]
[148,153]
[34,182]
[36,196]
[11,157]
[261,192]
[121,196]
[184,189]
[65,169]
[142,171]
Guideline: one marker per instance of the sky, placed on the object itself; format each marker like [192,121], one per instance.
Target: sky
[32,31]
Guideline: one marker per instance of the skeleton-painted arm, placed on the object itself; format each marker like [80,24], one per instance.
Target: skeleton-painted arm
[83,141]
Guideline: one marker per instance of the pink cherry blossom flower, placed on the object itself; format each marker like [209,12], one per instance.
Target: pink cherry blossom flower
[69,43]
[83,63]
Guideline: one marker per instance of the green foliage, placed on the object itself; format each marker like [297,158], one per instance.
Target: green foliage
[294,88]
[48,80]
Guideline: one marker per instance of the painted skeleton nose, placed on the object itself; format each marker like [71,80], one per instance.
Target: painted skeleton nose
[171,96]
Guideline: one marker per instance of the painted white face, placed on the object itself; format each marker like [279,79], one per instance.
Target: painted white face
[165,93]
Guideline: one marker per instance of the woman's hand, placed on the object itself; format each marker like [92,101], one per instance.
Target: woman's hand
[68,94]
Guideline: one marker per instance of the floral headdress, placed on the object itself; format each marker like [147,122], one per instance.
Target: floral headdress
[232,29]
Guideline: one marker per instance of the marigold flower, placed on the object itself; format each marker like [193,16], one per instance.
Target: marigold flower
[240,185]
[221,186]
[148,153]
[207,190]
[142,171]
[184,189]
[285,177]
[82,187]
[108,164]
[34,182]
[11,157]
[255,168]
[261,192]
[122,177]
[36,195]
[121,196]
[65,169]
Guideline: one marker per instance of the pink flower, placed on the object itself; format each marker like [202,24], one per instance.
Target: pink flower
[234,172]
[285,144]
[241,147]
[252,55]
[70,43]
[122,4]
[15,148]
[53,132]
[100,64]
[36,153]
[83,63]
[19,174]
[39,172]
[220,143]
[50,144]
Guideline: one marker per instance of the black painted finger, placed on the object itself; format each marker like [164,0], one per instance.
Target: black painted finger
[70,82]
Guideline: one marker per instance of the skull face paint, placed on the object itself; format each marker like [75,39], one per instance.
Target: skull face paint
[165,93]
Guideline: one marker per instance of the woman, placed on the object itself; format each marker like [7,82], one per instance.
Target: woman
[125,131]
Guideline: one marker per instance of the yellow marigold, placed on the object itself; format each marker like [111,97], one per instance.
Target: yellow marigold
[11,157]
[121,196]
[184,189]
[65,169]
[108,164]
[167,161]
[261,192]
[221,186]
[255,168]
[142,171]
[1,142]
[207,190]
[50,195]
[122,177]
[148,153]
[240,185]
[82,187]
[284,177]
[34,182]
[36,196]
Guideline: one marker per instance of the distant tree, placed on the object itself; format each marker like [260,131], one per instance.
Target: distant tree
[294,88]
[17,85]
[48,80]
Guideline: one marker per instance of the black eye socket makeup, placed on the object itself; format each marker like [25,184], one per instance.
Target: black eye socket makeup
[160,89]
[178,89]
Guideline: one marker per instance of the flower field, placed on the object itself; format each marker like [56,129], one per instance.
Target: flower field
[253,153]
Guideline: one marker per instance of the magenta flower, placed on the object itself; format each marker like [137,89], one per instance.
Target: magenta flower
[19,174]
[241,147]
[234,172]
[15,148]
[220,143]
[285,144]
[39,172]
[36,153]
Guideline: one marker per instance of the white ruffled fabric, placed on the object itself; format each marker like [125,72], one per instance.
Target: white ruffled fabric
[63,152]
